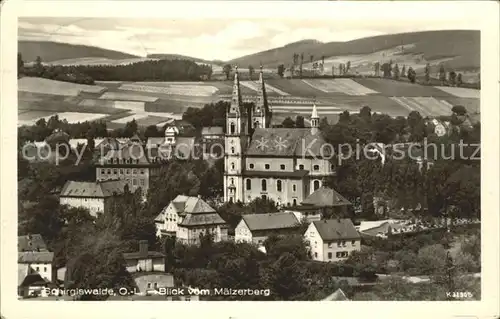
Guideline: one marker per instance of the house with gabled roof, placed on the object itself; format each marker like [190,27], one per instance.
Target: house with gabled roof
[31,242]
[332,240]
[325,202]
[188,217]
[95,196]
[256,228]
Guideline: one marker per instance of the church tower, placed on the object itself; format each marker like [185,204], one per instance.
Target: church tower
[314,120]
[261,114]
[236,140]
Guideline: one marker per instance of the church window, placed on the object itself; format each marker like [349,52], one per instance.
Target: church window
[267,166]
[233,128]
[316,167]
[232,181]
[232,166]
[294,187]
[232,150]
[301,167]
[264,185]
[251,165]
[249,184]
[316,185]
[294,202]
[278,186]
[282,166]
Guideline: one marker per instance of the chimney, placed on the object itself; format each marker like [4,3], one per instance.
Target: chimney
[143,247]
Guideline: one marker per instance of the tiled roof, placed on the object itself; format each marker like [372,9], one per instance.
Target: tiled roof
[33,280]
[27,257]
[292,174]
[212,130]
[336,229]
[287,142]
[33,242]
[200,219]
[271,221]
[326,197]
[139,255]
[100,189]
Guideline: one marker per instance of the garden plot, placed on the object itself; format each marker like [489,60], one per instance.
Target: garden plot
[461,92]
[46,86]
[130,105]
[255,86]
[94,102]
[346,86]
[426,106]
[122,96]
[174,89]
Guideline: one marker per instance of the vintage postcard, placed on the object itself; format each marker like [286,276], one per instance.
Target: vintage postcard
[252,151]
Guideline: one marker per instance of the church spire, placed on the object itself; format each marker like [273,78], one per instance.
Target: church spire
[236,100]
[261,113]
[314,120]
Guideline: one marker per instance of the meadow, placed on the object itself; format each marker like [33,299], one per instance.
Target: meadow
[155,103]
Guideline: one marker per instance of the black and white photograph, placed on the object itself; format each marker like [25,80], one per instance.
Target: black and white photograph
[234,158]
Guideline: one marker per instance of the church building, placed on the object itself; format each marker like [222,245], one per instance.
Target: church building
[282,164]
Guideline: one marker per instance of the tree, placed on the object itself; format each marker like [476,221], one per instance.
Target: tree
[403,71]
[288,122]
[250,71]
[281,70]
[20,63]
[377,68]
[130,128]
[427,73]
[442,74]
[395,72]
[459,79]
[348,67]
[386,70]
[285,277]
[227,70]
[299,121]
[152,131]
[452,78]
[323,59]
[412,75]
[301,63]
[459,110]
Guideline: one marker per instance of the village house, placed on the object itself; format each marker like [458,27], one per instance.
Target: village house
[256,228]
[131,162]
[332,240]
[35,271]
[144,260]
[94,196]
[31,242]
[282,164]
[324,203]
[188,217]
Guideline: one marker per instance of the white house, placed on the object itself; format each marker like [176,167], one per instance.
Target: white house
[35,266]
[94,196]
[256,228]
[332,240]
[188,217]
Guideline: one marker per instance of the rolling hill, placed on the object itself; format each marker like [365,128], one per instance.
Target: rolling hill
[51,51]
[460,48]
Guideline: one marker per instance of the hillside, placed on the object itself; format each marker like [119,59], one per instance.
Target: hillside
[51,51]
[460,48]
[180,57]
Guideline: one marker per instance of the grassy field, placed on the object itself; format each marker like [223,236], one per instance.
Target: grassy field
[152,103]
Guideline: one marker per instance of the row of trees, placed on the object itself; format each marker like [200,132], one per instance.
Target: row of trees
[151,70]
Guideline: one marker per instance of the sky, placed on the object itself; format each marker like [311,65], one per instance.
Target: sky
[222,38]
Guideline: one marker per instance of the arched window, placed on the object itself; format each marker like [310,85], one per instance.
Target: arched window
[294,202]
[278,186]
[232,166]
[233,128]
[232,181]
[316,185]
[232,150]
[249,184]
[264,185]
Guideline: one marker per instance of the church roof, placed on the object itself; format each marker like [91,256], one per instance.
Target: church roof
[326,197]
[287,142]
